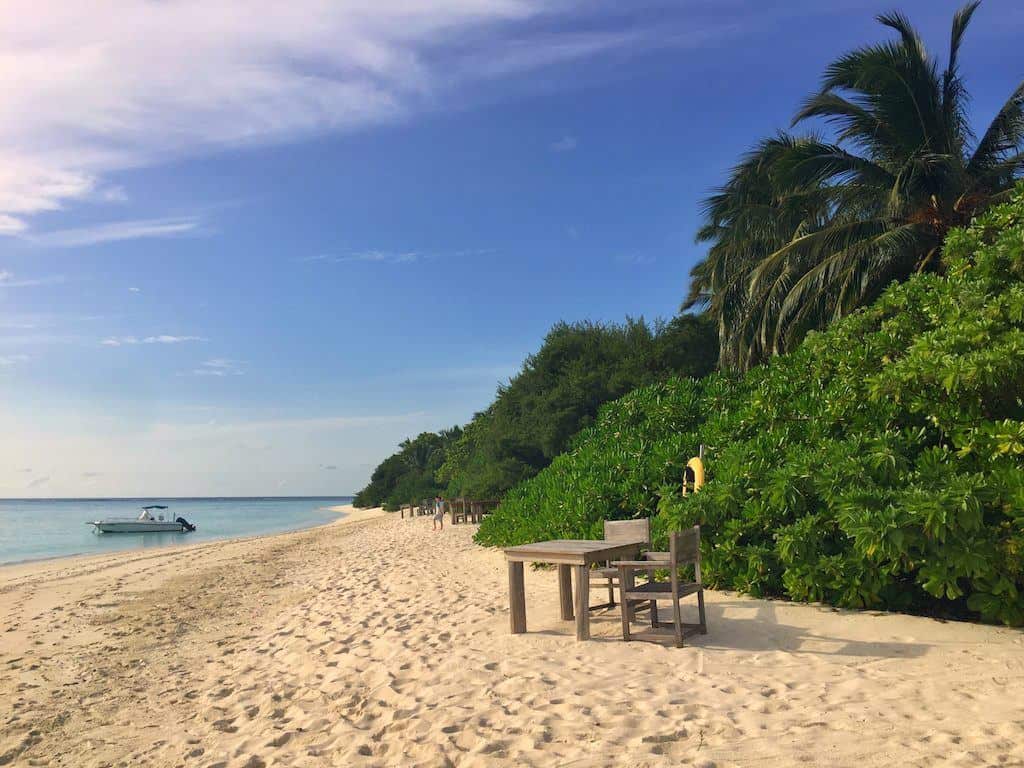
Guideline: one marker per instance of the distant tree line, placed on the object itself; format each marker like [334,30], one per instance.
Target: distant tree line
[557,393]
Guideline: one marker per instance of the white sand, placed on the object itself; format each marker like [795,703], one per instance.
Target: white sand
[377,642]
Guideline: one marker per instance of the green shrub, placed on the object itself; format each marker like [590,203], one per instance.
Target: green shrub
[579,367]
[881,464]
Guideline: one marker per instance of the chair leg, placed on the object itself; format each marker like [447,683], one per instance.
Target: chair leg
[624,608]
[611,594]
[654,614]
[677,622]
[700,609]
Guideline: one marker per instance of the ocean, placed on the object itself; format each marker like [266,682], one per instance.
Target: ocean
[33,529]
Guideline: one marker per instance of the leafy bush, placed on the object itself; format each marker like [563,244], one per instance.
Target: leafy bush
[880,464]
[579,367]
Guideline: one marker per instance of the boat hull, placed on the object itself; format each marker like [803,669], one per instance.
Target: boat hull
[138,526]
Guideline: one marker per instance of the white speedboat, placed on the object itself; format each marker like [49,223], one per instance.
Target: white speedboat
[144,523]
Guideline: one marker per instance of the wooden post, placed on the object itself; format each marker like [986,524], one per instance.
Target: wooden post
[565,591]
[626,583]
[582,602]
[516,597]
[625,575]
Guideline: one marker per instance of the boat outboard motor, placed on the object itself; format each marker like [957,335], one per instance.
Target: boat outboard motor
[185,524]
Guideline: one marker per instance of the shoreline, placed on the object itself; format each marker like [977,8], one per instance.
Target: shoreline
[346,512]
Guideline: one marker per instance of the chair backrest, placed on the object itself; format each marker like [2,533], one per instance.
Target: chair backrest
[628,530]
[684,549]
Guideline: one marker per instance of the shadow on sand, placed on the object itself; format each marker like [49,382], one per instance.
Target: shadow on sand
[757,626]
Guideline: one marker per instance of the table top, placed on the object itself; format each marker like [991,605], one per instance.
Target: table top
[573,551]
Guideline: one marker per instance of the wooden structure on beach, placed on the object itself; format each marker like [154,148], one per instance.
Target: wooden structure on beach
[462,510]
[471,510]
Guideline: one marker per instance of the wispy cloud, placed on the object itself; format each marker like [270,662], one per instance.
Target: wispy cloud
[38,482]
[126,341]
[564,144]
[235,429]
[9,360]
[133,289]
[7,280]
[116,231]
[219,366]
[377,257]
[9,225]
[87,94]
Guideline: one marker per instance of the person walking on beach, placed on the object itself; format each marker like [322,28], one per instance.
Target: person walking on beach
[438,512]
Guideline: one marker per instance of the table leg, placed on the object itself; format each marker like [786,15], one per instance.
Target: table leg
[516,597]
[582,602]
[565,591]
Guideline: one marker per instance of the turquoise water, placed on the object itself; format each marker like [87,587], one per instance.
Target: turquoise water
[31,529]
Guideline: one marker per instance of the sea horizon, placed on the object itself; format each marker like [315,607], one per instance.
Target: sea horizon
[34,529]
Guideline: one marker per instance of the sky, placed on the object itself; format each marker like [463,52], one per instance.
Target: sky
[248,247]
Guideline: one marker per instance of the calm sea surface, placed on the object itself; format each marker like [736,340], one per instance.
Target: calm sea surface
[31,529]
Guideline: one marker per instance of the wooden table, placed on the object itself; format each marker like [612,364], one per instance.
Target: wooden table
[568,555]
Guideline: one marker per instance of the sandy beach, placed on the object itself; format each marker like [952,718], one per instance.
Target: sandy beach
[374,641]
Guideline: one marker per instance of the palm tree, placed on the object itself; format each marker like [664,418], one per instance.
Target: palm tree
[806,230]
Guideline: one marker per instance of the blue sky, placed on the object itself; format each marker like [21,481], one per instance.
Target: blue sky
[246,248]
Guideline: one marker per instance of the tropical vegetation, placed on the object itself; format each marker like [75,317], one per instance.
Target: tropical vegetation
[555,394]
[879,464]
[410,474]
[806,230]
[863,298]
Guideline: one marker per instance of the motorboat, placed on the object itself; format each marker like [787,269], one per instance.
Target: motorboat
[146,522]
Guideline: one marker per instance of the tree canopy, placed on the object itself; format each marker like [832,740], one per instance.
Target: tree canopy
[806,230]
[558,391]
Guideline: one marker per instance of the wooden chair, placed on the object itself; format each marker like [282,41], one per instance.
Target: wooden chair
[458,509]
[684,549]
[621,530]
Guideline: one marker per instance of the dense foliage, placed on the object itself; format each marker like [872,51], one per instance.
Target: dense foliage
[409,475]
[881,463]
[805,231]
[558,391]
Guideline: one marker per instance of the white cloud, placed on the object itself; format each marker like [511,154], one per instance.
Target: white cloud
[133,289]
[9,225]
[115,231]
[125,341]
[113,195]
[7,281]
[38,482]
[219,366]
[378,257]
[215,429]
[383,257]
[90,89]
[564,144]
[9,360]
